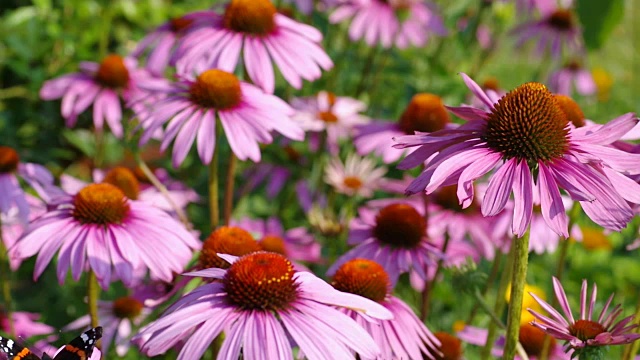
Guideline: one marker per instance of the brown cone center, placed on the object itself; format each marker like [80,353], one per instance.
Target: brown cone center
[363,277]
[532,340]
[528,124]
[254,17]
[261,281]
[216,89]
[112,72]
[352,182]
[180,24]
[9,160]
[101,204]
[451,347]
[230,240]
[586,329]
[562,20]
[399,225]
[447,198]
[571,109]
[125,180]
[273,243]
[127,308]
[425,113]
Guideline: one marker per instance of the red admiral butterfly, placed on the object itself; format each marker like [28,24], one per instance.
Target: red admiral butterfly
[79,348]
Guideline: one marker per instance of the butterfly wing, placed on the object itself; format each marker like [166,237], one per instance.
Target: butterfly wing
[15,351]
[81,347]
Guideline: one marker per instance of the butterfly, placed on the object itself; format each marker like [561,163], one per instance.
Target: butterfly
[79,348]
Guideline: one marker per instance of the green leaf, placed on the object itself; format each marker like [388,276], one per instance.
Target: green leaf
[598,19]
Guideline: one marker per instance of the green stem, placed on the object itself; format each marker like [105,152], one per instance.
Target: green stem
[492,333]
[216,345]
[428,286]
[518,279]
[5,277]
[93,293]
[631,350]
[98,158]
[228,188]
[492,276]
[214,211]
[366,71]
[163,190]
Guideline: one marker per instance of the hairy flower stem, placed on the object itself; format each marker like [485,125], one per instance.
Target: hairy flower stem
[163,190]
[93,293]
[214,209]
[495,268]
[498,308]
[228,188]
[5,278]
[518,279]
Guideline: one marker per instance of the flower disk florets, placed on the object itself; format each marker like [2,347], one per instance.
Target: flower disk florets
[9,160]
[450,347]
[125,180]
[100,204]
[112,72]
[399,225]
[230,240]
[532,340]
[586,329]
[447,198]
[261,281]
[562,19]
[254,17]
[527,123]
[363,277]
[571,109]
[179,24]
[273,243]
[216,89]
[127,308]
[426,113]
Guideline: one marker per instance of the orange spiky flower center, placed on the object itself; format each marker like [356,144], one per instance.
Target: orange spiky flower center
[352,182]
[230,240]
[571,109]
[180,24]
[562,20]
[125,180]
[447,198]
[261,281]
[112,72]
[328,116]
[363,277]
[450,347]
[532,339]
[425,113]
[586,329]
[100,204]
[400,225]
[253,17]
[273,243]
[528,124]
[216,89]
[9,160]
[127,307]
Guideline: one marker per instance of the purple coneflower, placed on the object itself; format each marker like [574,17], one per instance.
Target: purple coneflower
[425,113]
[264,308]
[256,30]
[390,22]
[100,84]
[247,114]
[160,44]
[584,333]
[403,337]
[296,244]
[13,226]
[12,197]
[394,236]
[337,115]
[357,176]
[557,29]
[100,228]
[572,75]
[27,325]
[526,137]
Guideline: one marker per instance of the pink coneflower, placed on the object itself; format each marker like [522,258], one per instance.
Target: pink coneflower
[248,116]
[160,44]
[572,75]
[557,29]
[99,228]
[135,186]
[337,115]
[264,308]
[27,325]
[395,237]
[357,176]
[403,337]
[118,319]
[102,85]
[13,226]
[254,29]
[425,113]
[296,243]
[526,137]
[12,197]
[394,22]
[584,333]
